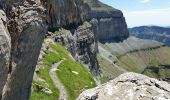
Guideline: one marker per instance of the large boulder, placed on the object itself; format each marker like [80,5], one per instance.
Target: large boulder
[129,86]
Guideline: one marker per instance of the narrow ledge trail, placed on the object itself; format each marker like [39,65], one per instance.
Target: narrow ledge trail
[63,93]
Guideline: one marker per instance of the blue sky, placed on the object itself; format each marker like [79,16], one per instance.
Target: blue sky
[143,12]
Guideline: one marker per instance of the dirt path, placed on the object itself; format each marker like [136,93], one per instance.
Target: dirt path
[63,93]
[105,54]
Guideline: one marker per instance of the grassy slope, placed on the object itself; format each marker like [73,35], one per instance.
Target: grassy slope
[109,71]
[74,84]
[48,60]
[138,61]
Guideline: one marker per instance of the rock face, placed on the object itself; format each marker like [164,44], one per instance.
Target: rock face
[81,43]
[111,22]
[129,86]
[161,34]
[71,13]
[66,13]
[5,47]
[27,28]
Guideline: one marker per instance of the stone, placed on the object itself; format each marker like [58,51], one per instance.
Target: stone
[27,27]
[111,22]
[129,86]
[5,48]
[47,91]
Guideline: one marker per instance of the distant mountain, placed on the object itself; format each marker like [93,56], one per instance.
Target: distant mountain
[161,34]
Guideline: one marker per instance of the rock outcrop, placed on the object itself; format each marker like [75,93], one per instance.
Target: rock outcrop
[161,34]
[82,44]
[111,22]
[70,14]
[5,48]
[27,28]
[129,86]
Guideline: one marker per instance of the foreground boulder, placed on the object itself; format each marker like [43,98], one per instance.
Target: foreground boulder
[129,86]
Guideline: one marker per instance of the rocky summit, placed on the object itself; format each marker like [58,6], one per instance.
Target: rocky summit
[129,86]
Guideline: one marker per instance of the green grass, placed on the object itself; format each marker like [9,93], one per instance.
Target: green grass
[108,70]
[73,83]
[48,60]
[57,54]
[138,61]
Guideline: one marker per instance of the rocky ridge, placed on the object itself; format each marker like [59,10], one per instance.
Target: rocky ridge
[129,86]
[161,34]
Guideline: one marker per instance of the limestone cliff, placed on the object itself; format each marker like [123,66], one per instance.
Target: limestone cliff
[111,22]
[27,27]
[82,44]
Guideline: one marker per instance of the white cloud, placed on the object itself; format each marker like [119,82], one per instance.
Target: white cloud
[145,1]
[148,17]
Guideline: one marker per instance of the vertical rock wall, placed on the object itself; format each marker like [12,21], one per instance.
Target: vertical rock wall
[5,48]
[27,27]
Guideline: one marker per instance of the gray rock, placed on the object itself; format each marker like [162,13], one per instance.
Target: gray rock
[65,13]
[129,86]
[82,44]
[5,48]
[111,22]
[27,28]
[47,91]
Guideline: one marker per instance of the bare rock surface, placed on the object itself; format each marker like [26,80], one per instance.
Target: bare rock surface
[129,86]
[5,48]
[111,22]
[27,28]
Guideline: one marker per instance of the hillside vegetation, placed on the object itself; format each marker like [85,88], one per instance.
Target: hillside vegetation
[74,76]
[144,61]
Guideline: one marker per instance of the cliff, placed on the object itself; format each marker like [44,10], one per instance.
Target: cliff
[161,34]
[24,24]
[111,22]
[129,86]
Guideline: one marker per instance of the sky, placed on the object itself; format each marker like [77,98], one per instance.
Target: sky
[143,12]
